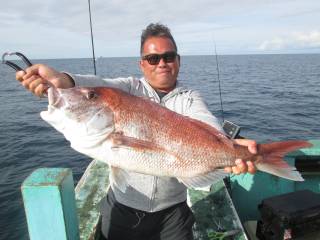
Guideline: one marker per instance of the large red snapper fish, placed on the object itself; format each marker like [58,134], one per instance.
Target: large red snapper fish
[134,134]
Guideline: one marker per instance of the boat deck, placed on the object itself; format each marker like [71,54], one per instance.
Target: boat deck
[213,210]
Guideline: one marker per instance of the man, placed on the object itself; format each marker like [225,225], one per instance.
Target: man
[151,207]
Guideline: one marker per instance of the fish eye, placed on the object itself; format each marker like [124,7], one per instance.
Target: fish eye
[91,95]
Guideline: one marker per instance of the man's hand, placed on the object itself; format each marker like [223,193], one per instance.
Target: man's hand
[39,77]
[241,166]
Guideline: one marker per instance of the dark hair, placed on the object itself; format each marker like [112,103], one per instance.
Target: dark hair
[156,30]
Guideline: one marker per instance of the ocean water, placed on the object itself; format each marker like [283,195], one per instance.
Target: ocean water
[272,97]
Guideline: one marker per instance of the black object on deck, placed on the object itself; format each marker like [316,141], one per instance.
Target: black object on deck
[307,164]
[289,216]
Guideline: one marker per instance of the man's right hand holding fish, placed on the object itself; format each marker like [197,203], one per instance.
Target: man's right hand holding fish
[39,77]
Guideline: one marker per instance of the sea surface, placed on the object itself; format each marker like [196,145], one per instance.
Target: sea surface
[272,97]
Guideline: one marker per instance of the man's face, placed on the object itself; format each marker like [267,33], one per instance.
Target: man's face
[162,76]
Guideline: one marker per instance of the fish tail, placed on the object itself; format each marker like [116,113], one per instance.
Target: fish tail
[270,158]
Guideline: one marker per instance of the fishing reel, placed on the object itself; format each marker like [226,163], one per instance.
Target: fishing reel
[231,129]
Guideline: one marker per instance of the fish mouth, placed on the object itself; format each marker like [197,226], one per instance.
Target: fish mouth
[54,97]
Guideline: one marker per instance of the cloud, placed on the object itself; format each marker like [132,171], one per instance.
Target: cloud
[117,24]
[121,16]
[293,40]
[309,39]
[274,44]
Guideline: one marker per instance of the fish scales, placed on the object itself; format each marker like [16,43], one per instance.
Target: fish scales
[191,141]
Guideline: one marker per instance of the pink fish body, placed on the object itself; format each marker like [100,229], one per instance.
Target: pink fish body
[135,134]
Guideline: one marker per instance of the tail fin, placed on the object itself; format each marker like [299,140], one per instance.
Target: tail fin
[271,158]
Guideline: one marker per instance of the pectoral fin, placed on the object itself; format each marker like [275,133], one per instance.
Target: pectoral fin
[143,155]
[120,140]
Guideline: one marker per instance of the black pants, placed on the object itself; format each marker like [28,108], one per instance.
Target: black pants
[119,222]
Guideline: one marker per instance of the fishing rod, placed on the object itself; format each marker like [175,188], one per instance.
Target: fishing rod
[93,55]
[218,75]
[230,128]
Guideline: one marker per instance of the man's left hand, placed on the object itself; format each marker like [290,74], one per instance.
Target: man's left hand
[242,166]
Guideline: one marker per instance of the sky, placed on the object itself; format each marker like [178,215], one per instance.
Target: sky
[60,29]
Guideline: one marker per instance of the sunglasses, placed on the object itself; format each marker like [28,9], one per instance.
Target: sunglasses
[154,59]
